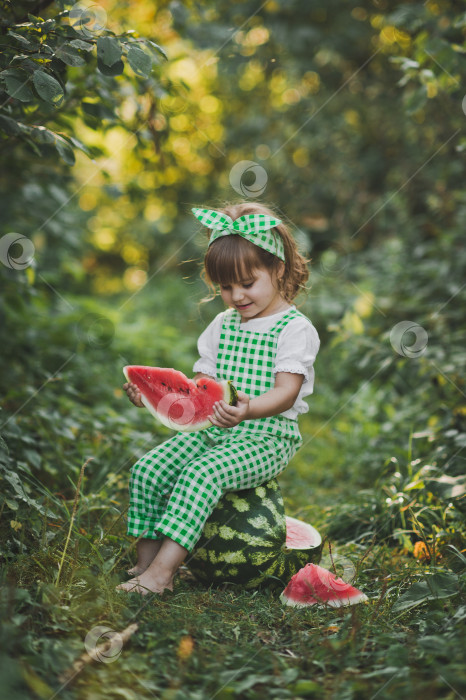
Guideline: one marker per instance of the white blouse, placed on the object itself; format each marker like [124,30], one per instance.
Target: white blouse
[297,347]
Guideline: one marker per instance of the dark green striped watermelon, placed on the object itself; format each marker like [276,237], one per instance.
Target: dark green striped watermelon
[249,541]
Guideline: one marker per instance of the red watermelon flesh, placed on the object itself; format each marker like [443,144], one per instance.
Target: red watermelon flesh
[176,401]
[301,535]
[314,584]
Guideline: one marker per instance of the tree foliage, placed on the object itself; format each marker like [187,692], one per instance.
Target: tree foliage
[40,87]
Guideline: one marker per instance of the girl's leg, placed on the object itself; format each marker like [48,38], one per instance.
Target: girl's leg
[233,465]
[146,550]
[152,479]
[230,466]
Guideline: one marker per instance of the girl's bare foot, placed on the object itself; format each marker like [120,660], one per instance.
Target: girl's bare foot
[159,574]
[147,583]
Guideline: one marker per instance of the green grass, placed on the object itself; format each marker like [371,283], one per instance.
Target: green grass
[369,476]
[227,643]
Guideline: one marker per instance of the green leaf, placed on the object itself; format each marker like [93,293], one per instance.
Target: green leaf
[116,69]
[15,85]
[251,680]
[48,88]
[41,134]
[44,24]
[33,145]
[416,100]
[83,45]
[139,61]
[70,56]
[13,479]
[108,50]
[22,39]
[10,126]
[157,48]
[12,505]
[440,585]
[65,150]
[78,144]
[306,688]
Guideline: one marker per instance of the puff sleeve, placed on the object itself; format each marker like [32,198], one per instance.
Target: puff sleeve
[297,348]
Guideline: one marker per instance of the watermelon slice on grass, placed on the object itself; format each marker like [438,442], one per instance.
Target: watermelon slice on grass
[313,584]
[176,401]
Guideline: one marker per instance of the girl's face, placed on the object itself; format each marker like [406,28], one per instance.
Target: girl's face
[256,296]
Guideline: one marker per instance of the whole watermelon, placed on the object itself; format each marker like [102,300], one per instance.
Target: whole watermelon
[244,541]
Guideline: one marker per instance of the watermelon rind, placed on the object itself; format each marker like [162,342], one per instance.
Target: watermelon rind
[244,542]
[230,396]
[360,598]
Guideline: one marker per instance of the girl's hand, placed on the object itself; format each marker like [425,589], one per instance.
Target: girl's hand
[226,416]
[134,394]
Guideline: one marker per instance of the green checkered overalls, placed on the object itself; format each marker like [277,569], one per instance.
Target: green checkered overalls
[175,486]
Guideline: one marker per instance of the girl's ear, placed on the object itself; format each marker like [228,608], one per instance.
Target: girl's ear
[281,270]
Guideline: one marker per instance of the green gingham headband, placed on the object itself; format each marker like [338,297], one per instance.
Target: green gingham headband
[253,227]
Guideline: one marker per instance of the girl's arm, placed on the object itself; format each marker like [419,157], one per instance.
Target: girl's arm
[279,399]
[200,375]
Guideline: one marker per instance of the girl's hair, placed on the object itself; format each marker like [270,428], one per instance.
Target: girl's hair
[233,258]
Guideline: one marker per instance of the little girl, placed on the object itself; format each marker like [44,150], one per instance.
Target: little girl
[267,349]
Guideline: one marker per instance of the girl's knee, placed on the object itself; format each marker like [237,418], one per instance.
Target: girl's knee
[202,474]
[158,459]
[148,473]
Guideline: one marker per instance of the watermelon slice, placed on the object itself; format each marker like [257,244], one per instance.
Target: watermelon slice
[176,401]
[314,584]
[301,535]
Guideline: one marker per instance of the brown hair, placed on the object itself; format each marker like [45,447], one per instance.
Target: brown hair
[233,258]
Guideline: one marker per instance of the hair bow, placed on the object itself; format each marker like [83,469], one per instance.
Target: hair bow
[255,228]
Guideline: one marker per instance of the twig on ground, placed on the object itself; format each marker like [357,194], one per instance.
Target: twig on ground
[97,653]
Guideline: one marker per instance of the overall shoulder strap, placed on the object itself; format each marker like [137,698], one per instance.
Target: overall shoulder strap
[230,319]
[284,320]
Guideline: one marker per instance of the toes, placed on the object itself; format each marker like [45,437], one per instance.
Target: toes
[130,587]
[136,585]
